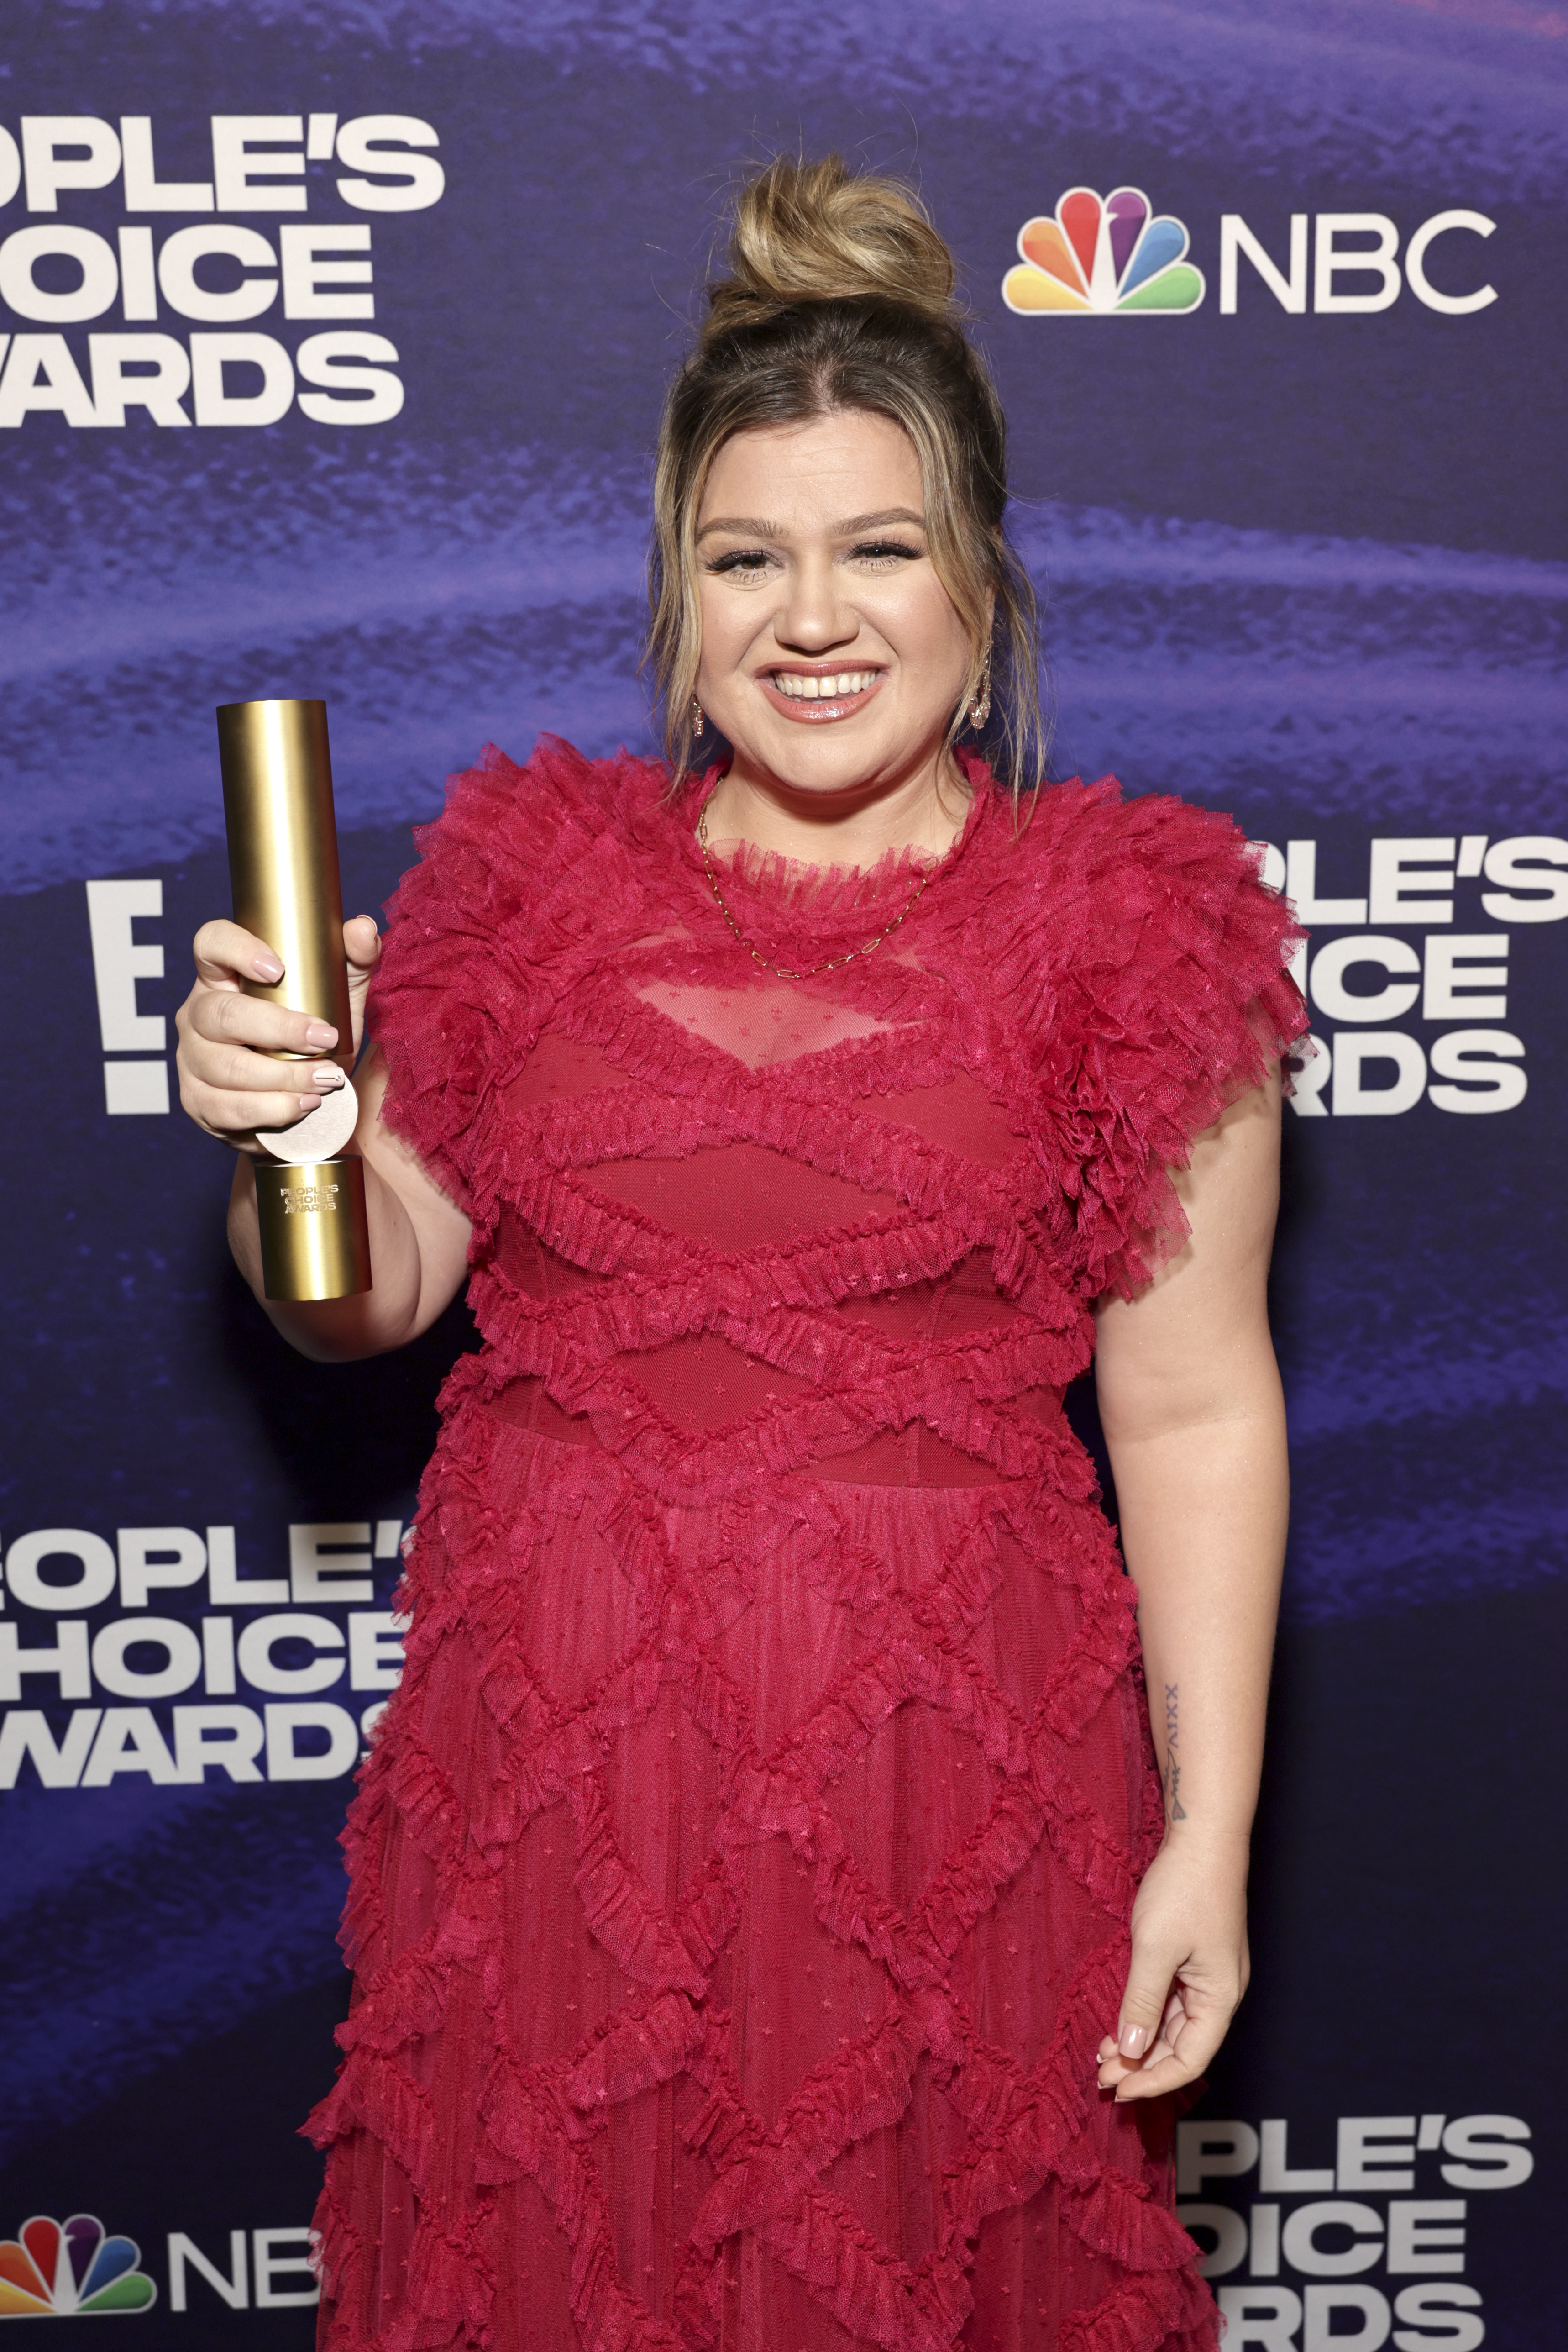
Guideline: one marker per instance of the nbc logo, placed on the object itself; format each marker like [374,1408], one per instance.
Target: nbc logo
[1102,255]
[53,2269]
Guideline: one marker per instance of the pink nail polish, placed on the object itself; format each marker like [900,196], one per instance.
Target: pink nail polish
[320,1036]
[327,1077]
[1134,2041]
[265,965]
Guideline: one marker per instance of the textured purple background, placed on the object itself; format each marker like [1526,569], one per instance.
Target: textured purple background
[1306,568]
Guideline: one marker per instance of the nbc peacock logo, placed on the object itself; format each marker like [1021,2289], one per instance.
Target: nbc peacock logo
[70,2269]
[1105,256]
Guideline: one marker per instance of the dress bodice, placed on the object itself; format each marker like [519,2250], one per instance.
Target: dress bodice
[852,1225]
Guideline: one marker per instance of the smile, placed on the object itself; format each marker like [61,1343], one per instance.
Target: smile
[819,696]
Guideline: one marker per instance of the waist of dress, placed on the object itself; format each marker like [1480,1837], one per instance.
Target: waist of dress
[860,1442]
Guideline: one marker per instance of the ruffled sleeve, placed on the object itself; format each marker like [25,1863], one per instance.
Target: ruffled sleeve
[1162,995]
[478,931]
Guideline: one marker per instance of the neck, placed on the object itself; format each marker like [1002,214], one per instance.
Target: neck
[855,825]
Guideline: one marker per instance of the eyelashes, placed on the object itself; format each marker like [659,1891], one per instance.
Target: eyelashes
[881,554]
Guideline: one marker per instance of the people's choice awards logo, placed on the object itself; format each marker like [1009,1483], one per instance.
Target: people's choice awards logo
[69,2270]
[1105,256]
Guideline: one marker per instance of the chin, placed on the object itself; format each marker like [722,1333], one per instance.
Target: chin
[823,761]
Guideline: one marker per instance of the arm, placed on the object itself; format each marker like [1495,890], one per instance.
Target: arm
[1194,1421]
[419,1240]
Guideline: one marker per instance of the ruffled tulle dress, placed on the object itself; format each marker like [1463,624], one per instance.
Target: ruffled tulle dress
[741,1875]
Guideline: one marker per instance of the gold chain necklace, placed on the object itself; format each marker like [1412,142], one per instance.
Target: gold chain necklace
[833,962]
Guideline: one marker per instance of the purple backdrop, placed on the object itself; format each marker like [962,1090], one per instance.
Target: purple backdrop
[333,341]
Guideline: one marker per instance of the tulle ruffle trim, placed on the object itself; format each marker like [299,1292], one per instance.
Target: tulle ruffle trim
[1121,967]
[1026,2126]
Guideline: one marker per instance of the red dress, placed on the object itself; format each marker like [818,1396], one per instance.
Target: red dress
[741,1876]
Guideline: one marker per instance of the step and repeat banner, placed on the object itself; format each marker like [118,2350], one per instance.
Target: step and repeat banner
[333,340]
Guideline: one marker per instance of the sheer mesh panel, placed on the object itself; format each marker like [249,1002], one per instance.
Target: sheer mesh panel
[762,1023]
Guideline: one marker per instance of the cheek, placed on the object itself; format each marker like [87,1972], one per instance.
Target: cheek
[929,637]
[726,631]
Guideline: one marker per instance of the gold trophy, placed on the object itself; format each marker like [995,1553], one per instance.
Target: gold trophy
[283,870]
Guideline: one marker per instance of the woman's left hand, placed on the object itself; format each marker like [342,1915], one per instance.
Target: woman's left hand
[1188,1971]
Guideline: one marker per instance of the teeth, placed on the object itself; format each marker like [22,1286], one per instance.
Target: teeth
[797,689]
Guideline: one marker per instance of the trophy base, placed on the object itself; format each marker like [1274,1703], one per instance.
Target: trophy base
[315,1236]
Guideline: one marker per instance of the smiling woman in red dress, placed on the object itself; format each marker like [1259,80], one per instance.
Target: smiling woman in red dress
[769,1929]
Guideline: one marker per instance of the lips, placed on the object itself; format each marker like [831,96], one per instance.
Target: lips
[820,696]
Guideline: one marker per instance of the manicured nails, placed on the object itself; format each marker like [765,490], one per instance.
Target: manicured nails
[1134,2040]
[327,1077]
[265,965]
[319,1036]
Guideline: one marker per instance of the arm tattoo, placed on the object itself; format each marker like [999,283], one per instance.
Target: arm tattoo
[1174,1805]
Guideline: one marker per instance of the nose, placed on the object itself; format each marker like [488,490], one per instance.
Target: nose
[813,616]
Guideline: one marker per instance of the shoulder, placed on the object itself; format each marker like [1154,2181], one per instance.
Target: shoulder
[507,830]
[1088,882]
[1149,974]
[515,872]
[1082,843]
[522,864]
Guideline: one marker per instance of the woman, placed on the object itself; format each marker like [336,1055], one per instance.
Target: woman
[744,1880]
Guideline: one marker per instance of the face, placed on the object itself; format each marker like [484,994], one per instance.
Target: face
[833,656]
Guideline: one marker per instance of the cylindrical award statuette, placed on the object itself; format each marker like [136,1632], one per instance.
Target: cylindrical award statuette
[283,870]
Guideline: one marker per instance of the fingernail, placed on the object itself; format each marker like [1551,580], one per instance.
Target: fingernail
[265,965]
[326,1077]
[1134,2041]
[319,1034]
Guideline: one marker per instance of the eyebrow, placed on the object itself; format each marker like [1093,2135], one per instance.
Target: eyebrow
[750,527]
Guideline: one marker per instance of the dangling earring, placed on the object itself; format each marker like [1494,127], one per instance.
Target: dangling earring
[699,720]
[980,709]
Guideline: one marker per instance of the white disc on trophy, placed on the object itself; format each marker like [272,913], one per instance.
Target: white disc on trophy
[320,1134]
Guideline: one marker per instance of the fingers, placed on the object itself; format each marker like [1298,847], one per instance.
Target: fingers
[1115,2069]
[231,1069]
[236,1117]
[220,1017]
[1191,2029]
[1169,2066]
[227,955]
[1144,2002]
[238,1109]
[230,1083]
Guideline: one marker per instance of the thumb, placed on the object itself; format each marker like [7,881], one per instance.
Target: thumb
[362,944]
[363,954]
[1142,2003]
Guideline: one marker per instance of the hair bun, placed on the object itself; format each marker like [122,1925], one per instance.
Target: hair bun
[818,233]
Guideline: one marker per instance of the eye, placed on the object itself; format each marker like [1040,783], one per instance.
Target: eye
[881,554]
[742,562]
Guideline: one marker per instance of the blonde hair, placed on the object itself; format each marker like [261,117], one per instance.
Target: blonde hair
[840,296]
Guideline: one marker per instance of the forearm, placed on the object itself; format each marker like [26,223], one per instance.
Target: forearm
[338,1330]
[1203,1511]
[1190,1404]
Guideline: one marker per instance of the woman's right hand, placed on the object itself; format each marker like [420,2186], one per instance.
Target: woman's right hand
[227,1083]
